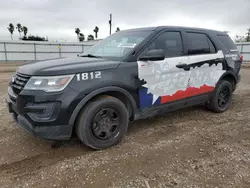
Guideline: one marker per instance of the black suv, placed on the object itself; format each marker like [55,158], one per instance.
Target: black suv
[129,75]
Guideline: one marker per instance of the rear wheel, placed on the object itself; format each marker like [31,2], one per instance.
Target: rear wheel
[102,123]
[222,97]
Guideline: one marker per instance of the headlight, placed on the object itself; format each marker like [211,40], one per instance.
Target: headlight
[48,83]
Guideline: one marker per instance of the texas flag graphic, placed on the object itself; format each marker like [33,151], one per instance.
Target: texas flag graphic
[148,99]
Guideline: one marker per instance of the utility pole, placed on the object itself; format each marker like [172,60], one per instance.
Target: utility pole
[248,35]
[110,23]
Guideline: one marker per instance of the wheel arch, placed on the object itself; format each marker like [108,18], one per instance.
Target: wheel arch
[113,91]
[229,76]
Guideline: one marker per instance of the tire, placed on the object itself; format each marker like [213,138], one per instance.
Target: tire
[97,129]
[218,103]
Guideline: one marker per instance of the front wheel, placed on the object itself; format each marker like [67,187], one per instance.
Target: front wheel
[102,123]
[222,97]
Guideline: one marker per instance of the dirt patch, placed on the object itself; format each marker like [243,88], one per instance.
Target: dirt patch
[10,64]
[9,67]
[188,148]
[246,65]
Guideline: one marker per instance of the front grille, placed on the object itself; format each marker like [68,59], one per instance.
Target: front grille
[19,82]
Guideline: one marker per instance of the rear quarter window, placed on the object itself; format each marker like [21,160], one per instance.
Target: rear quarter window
[227,42]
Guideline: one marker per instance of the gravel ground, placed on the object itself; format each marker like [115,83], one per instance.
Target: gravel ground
[192,147]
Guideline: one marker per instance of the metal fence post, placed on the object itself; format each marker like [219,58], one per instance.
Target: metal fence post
[5,51]
[35,51]
[60,54]
[82,48]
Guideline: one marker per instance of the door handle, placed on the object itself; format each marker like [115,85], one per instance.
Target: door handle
[180,66]
[217,60]
[183,66]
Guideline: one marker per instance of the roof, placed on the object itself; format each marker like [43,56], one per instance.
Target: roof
[141,29]
[173,27]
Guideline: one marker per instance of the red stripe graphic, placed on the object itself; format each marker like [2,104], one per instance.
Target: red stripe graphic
[189,92]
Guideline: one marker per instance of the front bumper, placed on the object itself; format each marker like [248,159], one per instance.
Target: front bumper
[42,119]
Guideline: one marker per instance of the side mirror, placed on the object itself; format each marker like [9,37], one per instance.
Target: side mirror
[153,55]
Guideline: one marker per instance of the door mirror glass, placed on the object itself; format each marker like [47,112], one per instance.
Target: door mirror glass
[153,55]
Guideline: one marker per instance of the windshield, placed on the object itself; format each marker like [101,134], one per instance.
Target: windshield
[118,45]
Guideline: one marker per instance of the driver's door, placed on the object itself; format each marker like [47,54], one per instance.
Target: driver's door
[162,81]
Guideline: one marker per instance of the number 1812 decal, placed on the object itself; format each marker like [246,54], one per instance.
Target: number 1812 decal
[89,75]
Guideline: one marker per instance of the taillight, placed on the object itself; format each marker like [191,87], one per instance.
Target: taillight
[241,58]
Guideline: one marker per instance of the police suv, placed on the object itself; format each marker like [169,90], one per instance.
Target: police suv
[131,74]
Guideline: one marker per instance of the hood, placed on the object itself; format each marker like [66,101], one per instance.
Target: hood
[66,66]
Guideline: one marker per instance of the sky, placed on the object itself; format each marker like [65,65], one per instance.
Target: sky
[57,19]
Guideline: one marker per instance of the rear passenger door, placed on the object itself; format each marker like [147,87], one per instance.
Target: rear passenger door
[205,63]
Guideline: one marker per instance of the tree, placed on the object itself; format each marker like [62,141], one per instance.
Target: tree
[34,38]
[19,29]
[11,30]
[239,38]
[77,31]
[117,29]
[246,38]
[96,30]
[81,37]
[90,37]
[25,31]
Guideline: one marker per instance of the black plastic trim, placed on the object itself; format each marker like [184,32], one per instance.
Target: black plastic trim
[230,73]
[58,132]
[172,106]
[97,92]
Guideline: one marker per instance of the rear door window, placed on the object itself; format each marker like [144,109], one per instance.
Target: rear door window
[199,43]
[227,42]
[212,48]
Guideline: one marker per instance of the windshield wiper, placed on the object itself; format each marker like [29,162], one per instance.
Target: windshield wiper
[91,56]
